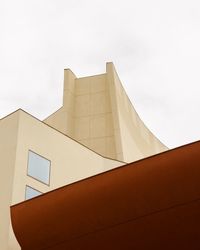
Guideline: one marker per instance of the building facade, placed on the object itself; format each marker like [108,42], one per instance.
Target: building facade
[96,130]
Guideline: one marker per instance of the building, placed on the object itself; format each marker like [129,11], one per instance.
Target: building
[96,130]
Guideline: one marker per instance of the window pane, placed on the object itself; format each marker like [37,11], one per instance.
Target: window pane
[38,167]
[30,193]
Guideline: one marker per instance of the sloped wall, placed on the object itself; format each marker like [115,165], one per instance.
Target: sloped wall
[136,140]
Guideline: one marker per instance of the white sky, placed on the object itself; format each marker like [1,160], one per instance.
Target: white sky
[155,46]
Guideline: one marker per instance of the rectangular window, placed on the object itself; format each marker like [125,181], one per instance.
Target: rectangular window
[38,167]
[31,192]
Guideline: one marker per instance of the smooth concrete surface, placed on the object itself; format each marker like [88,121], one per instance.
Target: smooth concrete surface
[135,140]
[97,112]
[153,203]
[70,161]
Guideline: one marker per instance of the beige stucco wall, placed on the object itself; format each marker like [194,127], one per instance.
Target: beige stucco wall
[97,112]
[8,144]
[70,162]
[86,113]
[93,115]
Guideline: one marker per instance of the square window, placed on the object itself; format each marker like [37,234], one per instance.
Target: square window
[38,167]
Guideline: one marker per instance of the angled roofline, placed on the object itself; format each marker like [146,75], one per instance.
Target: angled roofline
[60,133]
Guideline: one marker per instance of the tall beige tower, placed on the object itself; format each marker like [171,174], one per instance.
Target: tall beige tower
[97,113]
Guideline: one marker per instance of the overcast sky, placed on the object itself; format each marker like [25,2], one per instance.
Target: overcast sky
[155,46]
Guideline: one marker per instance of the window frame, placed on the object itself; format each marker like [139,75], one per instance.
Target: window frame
[49,177]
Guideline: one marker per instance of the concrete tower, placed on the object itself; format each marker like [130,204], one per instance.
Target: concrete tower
[97,112]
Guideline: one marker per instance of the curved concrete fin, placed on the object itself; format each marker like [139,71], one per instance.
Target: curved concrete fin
[97,112]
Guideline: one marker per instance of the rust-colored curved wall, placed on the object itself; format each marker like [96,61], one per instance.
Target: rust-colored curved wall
[150,204]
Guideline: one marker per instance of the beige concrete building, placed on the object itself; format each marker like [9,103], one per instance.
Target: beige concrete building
[96,129]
